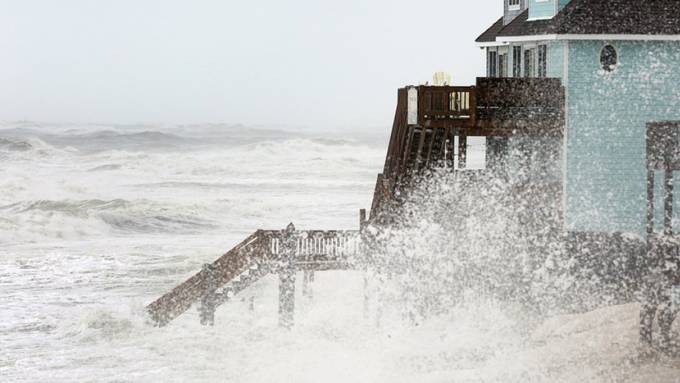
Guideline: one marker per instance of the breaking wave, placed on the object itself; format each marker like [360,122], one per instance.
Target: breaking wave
[70,219]
[14,146]
[74,183]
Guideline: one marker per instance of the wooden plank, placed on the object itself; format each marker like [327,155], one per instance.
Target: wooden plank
[462,151]
[406,153]
[226,268]
[418,161]
[668,203]
[650,202]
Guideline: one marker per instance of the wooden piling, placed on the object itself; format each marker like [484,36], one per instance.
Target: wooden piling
[362,225]
[208,301]
[287,278]
[668,202]
[462,151]
[307,279]
[650,202]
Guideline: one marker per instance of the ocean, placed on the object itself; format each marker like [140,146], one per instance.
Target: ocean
[97,221]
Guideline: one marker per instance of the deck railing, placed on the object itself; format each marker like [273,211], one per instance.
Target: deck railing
[429,119]
[489,101]
[519,99]
[260,254]
[446,103]
[314,242]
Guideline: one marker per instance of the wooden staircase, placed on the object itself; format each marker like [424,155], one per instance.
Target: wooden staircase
[264,252]
[430,120]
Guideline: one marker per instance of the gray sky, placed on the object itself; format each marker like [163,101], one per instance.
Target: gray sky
[295,62]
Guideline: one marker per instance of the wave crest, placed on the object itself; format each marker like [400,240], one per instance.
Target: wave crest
[77,219]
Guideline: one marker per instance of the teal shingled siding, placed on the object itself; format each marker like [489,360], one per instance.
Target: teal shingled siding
[541,9]
[606,116]
[556,59]
[562,3]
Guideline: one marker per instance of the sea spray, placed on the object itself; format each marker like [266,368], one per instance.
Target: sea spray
[461,234]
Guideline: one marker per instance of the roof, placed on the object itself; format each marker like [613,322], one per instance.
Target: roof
[601,17]
[521,26]
[490,34]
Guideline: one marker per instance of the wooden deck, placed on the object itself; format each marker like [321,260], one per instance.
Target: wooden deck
[426,123]
[260,254]
[429,118]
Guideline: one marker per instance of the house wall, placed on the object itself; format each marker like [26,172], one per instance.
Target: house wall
[534,160]
[509,15]
[542,9]
[562,3]
[556,57]
[607,114]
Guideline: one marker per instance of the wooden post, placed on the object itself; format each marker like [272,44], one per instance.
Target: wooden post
[307,279]
[208,301]
[362,226]
[287,278]
[462,151]
[650,202]
[668,202]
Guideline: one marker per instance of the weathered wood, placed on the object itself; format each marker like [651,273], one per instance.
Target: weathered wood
[650,202]
[668,203]
[362,227]
[287,272]
[209,299]
[226,268]
[663,152]
[257,256]
[494,107]
[462,151]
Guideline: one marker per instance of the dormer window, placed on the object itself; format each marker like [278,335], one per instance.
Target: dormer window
[513,5]
[609,58]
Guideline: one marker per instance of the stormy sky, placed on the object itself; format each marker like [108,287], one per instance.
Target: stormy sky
[312,63]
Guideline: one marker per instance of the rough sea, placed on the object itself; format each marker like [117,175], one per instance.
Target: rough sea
[97,221]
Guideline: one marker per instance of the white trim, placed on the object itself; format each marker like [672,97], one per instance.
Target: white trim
[491,44]
[510,39]
[540,18]
[518,39]
[621,37]
[565,136]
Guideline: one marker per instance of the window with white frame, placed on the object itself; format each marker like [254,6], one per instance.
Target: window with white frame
[513,5]
[492,64]
[503,64]
[530,62]
[542,61]
[516,61]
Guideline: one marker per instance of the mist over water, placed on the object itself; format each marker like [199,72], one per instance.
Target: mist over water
[98,221]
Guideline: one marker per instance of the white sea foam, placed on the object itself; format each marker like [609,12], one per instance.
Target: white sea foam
[97,221]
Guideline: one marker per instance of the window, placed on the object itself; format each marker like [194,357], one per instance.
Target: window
[513,5]
[609,58]
[503,65]
[529,66]
[542,61]
[516,61]
[491,64]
